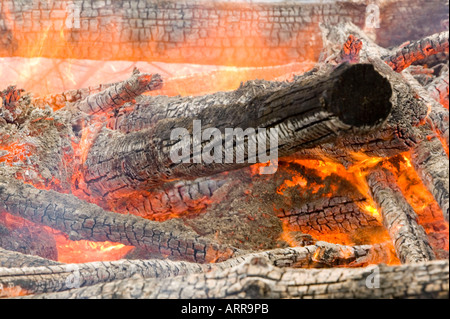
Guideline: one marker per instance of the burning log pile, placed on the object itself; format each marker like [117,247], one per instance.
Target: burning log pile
[359,190]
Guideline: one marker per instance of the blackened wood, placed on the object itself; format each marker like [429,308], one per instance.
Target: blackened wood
[431,163]
[60,277]
[82,220]
[306,113]
[409,238]
[13,259]
[404,56]
[256,279]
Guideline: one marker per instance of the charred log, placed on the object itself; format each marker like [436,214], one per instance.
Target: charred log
[305,113]
[431,163]
[410,240]
[437,115]
[12,259]
[418,50]
[81,220]
[256,278]
[57,277]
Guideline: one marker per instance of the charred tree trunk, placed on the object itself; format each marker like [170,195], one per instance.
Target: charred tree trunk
[305,113]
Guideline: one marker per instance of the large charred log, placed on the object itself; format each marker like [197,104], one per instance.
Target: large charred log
[256,278]
[306,113]
[54,277]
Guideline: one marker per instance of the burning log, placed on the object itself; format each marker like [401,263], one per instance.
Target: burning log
[437,115]
[306,113]
[410,240]
[117,95]
[418,50]
[28,241]
[258,279]
[438,89]
[56,277]
[336,215]
[431,163]
[398,134]
[81,220]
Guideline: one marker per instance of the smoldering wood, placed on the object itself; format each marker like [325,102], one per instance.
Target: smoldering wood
[438,89]
[431,163]
[337,214]
[55,277]
[81,220]
[404,56]
[306,113]
[398,133]
[117,95]
[257,279]
[28,241]
[437,115]
[409,238]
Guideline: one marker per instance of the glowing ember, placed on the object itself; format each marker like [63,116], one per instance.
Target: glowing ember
[71,251]
[83,251]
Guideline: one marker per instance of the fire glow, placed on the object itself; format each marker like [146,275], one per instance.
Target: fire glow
[205,79]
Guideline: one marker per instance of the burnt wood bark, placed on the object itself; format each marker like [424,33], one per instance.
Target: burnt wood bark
[82,220]
[13,259]
[335,214]
[257,279]
[306,113]
[406,55]
[431,163]
[437,115]
[120,93]
[28,241]
[438,89]
[55,277]
[410,240]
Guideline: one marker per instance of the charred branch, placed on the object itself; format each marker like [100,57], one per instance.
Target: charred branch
[418,50]
[305,113]
[410,240]
[121,93]
[438,89]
